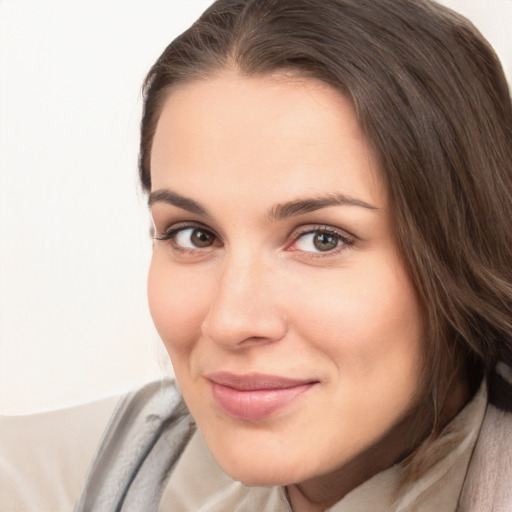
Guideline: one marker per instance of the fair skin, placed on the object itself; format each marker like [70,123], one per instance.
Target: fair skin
[274,256]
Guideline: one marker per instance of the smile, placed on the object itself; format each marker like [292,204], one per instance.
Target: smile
[255,396]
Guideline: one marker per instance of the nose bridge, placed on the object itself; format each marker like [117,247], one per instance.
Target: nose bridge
[243,307]
[241,272]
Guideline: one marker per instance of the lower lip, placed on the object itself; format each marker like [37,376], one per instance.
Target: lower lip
[255,404]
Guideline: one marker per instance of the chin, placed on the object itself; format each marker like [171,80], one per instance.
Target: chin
[259,467]
[264,473]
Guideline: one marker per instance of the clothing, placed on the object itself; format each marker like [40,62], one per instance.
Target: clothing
[152,437]
[44,457]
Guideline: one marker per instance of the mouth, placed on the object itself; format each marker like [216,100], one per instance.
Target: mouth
[255,396]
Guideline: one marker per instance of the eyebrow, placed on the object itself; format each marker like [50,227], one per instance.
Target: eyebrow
[301,206]
[170,197]
[278,212]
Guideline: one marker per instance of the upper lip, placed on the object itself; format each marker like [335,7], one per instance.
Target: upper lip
[256,381]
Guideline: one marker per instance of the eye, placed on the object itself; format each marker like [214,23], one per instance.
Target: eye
[321,240]
[194,238]
[187,237]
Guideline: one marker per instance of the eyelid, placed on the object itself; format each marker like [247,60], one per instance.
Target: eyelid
[183,253]
[170,232]
[347,238]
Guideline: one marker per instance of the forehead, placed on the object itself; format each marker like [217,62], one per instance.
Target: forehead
[286,133]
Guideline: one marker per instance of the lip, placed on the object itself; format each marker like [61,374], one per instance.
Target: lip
[255,396]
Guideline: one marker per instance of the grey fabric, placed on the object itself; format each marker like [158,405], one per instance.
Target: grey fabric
[148,432]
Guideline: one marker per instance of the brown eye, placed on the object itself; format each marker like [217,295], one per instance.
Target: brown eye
[194,238]
[201,238]
[325,241]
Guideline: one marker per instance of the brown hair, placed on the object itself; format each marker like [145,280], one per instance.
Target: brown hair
[432,98]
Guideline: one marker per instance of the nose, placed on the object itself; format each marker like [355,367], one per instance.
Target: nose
[245,309]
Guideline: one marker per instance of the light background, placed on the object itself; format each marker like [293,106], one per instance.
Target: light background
[74,245]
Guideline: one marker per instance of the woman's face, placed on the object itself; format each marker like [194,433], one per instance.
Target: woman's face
[275,283]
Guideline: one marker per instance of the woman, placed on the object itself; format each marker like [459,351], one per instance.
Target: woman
[331,193]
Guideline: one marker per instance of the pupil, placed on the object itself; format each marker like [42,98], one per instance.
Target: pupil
[201,239]
[325,242]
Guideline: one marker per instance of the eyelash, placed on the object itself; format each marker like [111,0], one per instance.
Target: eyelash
[170,236]
[345,240]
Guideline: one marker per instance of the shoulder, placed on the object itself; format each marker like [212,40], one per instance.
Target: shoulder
[487,485]
[44,457]
[145,437]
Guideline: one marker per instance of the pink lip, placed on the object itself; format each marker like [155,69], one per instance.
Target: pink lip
[255,396]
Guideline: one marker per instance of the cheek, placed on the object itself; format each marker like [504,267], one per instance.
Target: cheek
[177,304]
[369,329]
[365,321]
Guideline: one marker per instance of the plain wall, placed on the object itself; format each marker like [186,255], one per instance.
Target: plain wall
[74,244]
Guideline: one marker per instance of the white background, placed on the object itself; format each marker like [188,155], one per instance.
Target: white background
[74,245]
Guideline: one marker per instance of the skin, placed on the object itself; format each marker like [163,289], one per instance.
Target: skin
[262,298]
